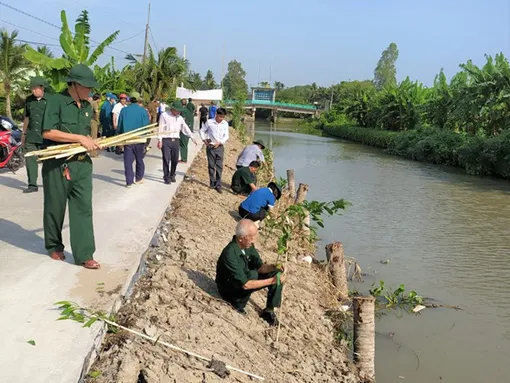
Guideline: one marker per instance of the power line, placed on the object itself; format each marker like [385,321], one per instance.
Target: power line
[153,40]
[38,43]
[28,30]
[129,38]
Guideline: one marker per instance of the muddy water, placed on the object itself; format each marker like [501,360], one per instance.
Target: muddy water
[446,236]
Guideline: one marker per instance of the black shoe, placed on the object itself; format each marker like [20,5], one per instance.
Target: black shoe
[241,311]
[168,182]
[218,189]
[270,317]
[31,189]
[172,179]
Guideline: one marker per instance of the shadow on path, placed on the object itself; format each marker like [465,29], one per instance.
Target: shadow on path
[115,181]
[203,281]
[12,183]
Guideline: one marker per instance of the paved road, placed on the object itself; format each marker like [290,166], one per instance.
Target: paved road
[30,282]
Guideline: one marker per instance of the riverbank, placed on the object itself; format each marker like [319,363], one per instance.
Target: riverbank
[476,155]
[177,297]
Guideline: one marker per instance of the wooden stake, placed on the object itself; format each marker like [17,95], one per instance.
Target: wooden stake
[291,183]
[364,337]
[301,193]
[335,257]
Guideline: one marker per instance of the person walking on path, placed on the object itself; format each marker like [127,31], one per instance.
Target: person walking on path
[192,108]
[215,134]
[244,180]
[257,204]
[170,126]
[212,110]
[240,272]
[123,101]
[203,115]
[133,117]
[251,153]
[67,120]
[187,114]
[94,123]
[106,116]
[32,139]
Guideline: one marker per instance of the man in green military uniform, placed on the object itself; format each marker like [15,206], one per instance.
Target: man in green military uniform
[32,140]
[240,272]
[244,180]
[187,114]
[67,120]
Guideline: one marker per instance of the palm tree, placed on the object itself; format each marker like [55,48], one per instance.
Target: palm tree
[13,66]
[43,49]
[278,85]
[209,81]
[195,79]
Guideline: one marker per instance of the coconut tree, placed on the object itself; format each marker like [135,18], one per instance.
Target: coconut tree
[13,66]
[209,81]
[76,50]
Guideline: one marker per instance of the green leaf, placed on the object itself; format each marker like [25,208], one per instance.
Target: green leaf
[101,47]
[90,322]
[95,374]
[31,341]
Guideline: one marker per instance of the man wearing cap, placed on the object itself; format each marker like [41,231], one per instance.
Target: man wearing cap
[171,125]
[106,116]
[187,114]
[133,117]
[67,121]
[251,153]
[243,180]
[215,134]
[35,104]
[256,205]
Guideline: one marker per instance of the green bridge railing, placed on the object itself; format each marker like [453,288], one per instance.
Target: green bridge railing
[270,103]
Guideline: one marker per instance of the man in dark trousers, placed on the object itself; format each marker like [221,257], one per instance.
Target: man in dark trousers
[203,114]
[215,134]
[257,204]
[240,272]
[171,125]
[32,140]
[132,117]
[243,180]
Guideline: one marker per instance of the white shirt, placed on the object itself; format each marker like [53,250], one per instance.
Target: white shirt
[170,126]
[249,154]
[214,131]
[116,111]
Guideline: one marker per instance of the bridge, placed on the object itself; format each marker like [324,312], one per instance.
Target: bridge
[275,106]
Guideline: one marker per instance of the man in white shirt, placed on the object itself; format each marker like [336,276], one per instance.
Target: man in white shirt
[170,125]
[251,153]
[214,133]
[117,108]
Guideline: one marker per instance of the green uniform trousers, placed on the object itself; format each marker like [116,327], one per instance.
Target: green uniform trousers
[239,297]
[78,191]
[183,146]
[31,163]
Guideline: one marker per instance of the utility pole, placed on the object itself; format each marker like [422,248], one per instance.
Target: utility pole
[223,65]
[331,101]
[184,56]
[146,35]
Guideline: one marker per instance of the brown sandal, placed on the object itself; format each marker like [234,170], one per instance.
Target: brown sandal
[58,256]
[91,264]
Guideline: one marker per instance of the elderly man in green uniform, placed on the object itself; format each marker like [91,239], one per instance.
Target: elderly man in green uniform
[244,180]
[35,105]
[67,120]
[187,114]
[240,272]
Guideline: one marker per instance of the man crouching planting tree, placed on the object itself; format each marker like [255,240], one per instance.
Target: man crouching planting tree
[67,120]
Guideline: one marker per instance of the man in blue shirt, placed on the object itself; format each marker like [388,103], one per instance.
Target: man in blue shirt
[255,207]
[212,110]
[106,116]
[133,117]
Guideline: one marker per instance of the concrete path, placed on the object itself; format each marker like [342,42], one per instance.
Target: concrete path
[30,282]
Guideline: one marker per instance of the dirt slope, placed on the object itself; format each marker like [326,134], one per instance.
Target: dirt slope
[178,298]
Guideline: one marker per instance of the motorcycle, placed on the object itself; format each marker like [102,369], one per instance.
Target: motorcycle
[11,151]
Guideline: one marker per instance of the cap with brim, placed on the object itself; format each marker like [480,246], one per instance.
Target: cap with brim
[83,75]
[177,105]
[135,95]
[278,190]
[37,81]
[260,142]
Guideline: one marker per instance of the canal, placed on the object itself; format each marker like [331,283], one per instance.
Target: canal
[445,235]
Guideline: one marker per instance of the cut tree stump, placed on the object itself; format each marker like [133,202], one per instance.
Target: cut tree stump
[335,257]
[301,193]
[291,183]
[364,337]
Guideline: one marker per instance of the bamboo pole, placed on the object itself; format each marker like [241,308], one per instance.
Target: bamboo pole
[335,257]
[364,337]
[291,183]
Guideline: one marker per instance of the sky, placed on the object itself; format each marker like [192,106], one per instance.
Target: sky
[295,42]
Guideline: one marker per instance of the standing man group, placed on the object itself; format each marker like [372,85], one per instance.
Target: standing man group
[32,139]
[214,134]
[106,116]
[188,113]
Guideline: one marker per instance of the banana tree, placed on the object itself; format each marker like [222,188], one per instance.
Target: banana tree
[76,50]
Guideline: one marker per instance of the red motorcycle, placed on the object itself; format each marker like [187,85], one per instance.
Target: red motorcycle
[11,151]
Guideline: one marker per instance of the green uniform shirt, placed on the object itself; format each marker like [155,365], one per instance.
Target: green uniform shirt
[34,110]
[62,113]
[235,268]
[241,180]
[188,117]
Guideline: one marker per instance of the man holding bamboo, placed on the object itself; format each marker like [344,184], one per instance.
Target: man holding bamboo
[66,121]
[240,272]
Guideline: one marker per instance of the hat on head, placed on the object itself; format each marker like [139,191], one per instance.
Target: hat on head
[277,189]
[260,142]
[135,95]
[177,105]
[37,81]
[123,95]
[83,75]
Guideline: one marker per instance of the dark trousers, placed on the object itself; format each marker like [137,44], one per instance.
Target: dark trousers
[239,297]
[170,151]
[203,120]
[134,152]
[258,216]
[31,163]
[215,165]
